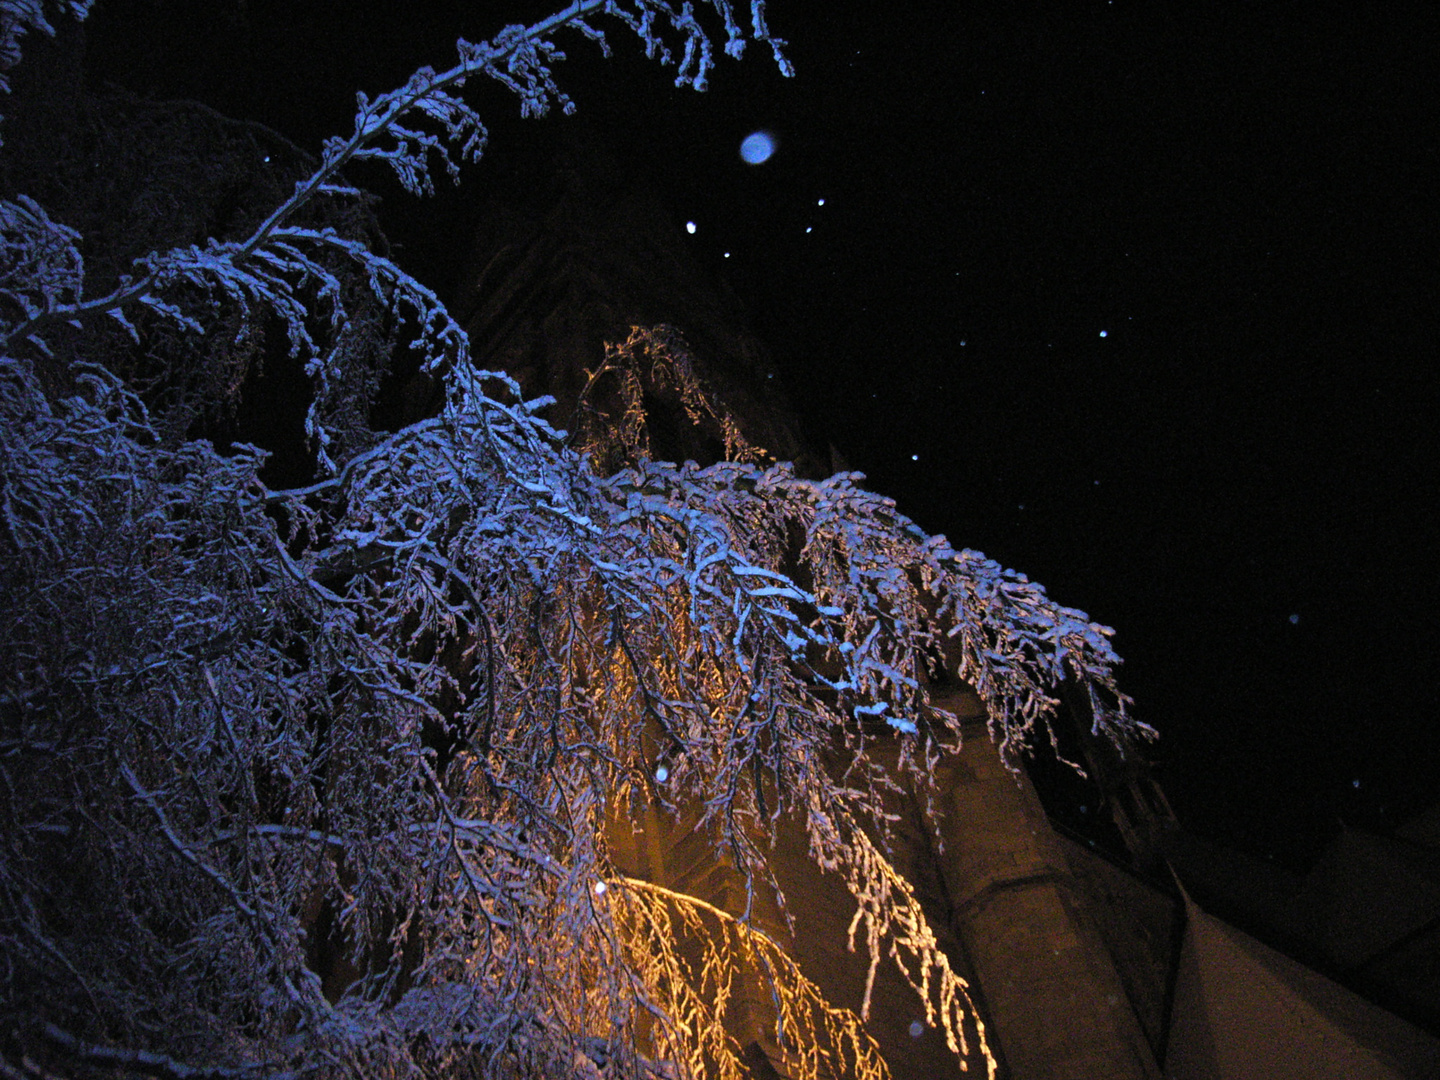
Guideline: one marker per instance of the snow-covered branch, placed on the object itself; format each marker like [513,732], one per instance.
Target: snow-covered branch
[319,781]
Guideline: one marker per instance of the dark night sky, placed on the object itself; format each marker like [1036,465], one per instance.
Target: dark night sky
[1138,298]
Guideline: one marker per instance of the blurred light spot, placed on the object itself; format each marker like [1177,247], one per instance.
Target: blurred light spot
[599,888]
[690,227]
[662,774]
[916,1029]
[757,147]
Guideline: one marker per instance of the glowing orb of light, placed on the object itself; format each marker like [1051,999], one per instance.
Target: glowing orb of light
[757,147]
[916,1029]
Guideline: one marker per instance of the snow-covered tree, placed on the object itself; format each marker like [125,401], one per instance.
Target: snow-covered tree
[315,781]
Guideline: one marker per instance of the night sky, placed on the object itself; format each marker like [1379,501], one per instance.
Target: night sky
[1137,298]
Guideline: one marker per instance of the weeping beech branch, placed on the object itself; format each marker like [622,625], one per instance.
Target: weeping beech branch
[317,781]
[692,996]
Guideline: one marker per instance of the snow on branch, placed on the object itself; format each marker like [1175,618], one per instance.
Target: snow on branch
[17,17]
[321,781]
[425,118]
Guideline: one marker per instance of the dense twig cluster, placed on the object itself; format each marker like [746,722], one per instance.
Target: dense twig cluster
[316,781]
